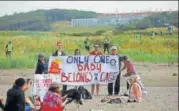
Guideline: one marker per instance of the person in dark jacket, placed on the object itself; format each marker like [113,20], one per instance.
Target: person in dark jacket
[15,96]
[59,52]
[117,82]
[40,65]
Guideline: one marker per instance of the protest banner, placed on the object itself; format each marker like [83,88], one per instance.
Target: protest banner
[77,70]
[85,70]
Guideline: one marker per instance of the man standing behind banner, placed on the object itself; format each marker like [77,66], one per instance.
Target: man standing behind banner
[59,52]
[95,52]
[117,82]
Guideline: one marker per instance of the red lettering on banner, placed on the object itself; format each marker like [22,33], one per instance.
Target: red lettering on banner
[99,67]
[80,67]
[77,77]
[64,78]
[89,67]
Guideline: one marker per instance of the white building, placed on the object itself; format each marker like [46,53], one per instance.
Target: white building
[109,19]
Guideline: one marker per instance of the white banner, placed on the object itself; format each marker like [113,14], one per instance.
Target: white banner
[83,70]
[77,70]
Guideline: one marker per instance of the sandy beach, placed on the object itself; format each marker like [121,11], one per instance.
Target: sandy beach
[160,80]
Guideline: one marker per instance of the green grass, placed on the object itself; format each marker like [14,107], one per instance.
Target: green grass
[27,45]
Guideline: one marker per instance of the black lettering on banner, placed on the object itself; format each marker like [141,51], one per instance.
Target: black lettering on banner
[97,59]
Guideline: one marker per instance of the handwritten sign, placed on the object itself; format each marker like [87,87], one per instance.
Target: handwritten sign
[84,70]
[77,70]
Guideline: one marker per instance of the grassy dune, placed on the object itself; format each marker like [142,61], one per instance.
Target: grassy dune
[163,48]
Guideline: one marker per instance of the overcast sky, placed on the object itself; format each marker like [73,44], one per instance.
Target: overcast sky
[9,7]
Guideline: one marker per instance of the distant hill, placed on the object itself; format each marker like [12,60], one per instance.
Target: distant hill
[40,20]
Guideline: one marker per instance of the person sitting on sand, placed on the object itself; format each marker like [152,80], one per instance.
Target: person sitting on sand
[29,104]
[15,96]
[53,100]
[135,92]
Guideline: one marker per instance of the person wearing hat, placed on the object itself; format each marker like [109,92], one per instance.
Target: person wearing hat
[9,48]
[117,82]
[96,51]
[60,52]
[15,96]
[40,64]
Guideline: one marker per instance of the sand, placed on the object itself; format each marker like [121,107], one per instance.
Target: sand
[161,85]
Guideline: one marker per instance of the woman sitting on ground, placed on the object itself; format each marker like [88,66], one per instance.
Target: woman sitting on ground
[53,100]
[135,92]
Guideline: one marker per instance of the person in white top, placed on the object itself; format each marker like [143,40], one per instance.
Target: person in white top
[135,92]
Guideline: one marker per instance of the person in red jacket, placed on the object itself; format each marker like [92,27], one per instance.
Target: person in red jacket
[95,52]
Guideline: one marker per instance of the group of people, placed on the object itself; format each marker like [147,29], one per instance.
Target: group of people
[17,101]
[53,100]
[106,45]
[40,69]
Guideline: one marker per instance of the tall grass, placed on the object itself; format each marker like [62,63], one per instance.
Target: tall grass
[27,45]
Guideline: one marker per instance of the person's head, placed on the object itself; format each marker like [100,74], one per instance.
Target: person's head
[96,47]
[133,79]
[59,46]
[54,87]
[41,57]
[20,83]
[77,52]
[9,42]
[114,50]
[28,84]
[124,58]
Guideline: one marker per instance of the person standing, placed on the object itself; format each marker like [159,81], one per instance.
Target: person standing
[9,49]
[96,51]
[87,45]
[117,82]
[130,68]
[40,64]
[59,52]
[106,45]
[15,96]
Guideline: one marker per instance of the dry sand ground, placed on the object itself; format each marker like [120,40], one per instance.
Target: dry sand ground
[161,85]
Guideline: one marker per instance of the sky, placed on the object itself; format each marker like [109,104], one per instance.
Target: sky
[10,7]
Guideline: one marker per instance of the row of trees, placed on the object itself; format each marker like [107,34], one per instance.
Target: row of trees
[40,20]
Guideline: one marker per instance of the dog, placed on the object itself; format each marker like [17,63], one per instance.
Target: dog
[72,95]
[85,94]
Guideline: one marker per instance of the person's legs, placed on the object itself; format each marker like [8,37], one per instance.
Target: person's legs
[97,89]
[104,49]
[64,88]
[117,85]
[92,89]
[127,85]
[107,47]
[110,89]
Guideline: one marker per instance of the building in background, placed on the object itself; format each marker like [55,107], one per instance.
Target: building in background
[110,19]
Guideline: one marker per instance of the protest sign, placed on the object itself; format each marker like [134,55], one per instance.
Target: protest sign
[77,70]
[84,70]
